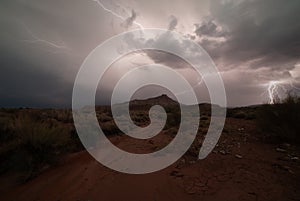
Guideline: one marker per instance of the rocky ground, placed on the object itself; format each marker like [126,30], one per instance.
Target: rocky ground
[241,167]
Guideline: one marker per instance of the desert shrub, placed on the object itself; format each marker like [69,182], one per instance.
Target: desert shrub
[242,113]
[140,118]
[239,115]
[110,128]
[204,118]
[36,144]
[104,117]
[6,129]
[250,116]
[281,120]
[173,131]
[229,112]
[75,143]
[61,115]
[173,120]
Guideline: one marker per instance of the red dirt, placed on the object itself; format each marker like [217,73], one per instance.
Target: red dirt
[240,168]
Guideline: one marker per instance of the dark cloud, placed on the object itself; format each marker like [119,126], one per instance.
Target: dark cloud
[252,42]
[129,21]
[158,56]
[266,32]
[209,28]
[24,83]
[34,73]
[168,59]
[173,23]
[260,46]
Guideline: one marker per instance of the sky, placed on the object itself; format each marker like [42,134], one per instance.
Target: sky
[254,44]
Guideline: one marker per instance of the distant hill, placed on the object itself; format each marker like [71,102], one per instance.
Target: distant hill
[162,100]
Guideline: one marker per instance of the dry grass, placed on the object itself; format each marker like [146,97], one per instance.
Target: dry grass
[281,120]
[30,141]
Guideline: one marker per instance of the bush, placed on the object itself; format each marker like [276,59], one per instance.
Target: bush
[36,145]
[247,113]
[239,115]
[110,128]
[281,120]
[6,129]
[173,120]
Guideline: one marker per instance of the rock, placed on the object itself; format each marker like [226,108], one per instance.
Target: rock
[287,168]
[286,158]
[238,156]
[176,173]
[286,145]
[192,162]
[280,150]
[223,152]
[294,158]
[241,129]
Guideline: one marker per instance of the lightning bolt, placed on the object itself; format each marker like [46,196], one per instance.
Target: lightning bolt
[293,86]
[200,80]
[272,91]
[116,14]
[275,87]
[36,39]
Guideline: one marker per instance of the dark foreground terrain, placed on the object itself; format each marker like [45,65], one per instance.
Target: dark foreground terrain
[247,164]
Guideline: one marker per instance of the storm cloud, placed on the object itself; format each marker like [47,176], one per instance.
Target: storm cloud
[43,44]
[264,33]
[173,23]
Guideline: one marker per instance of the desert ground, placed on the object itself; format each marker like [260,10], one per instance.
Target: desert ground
[246,164]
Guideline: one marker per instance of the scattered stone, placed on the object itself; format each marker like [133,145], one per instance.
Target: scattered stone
[192,162]
[45,167]
[241,129]
[287,168]
[176,173]
[238,156]
[286,145]
[215,151]
[200,184]
[286,158]
[284,167]
[294,158]
[223,152]
[280,150]
[191,191]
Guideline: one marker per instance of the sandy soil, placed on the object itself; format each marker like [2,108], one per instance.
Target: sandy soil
[240,168]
